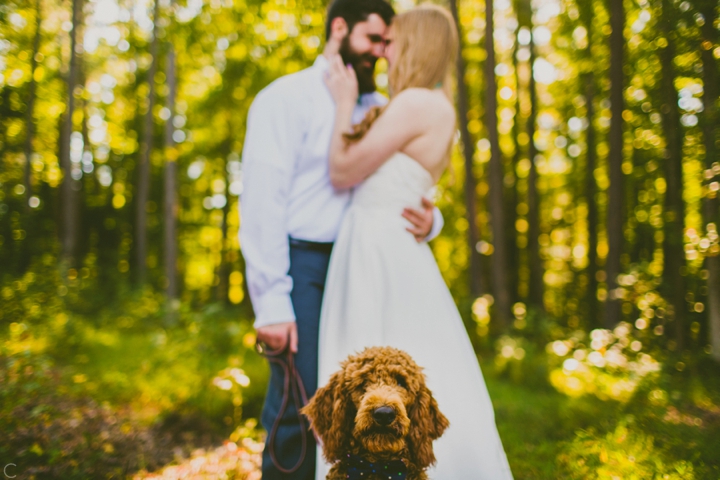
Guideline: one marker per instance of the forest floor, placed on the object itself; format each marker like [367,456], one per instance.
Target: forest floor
[546,436]
[113,396]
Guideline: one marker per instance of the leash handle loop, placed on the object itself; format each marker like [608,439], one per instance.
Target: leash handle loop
[292,385]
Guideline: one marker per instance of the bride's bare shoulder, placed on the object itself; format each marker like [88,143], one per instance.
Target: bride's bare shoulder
[424,103]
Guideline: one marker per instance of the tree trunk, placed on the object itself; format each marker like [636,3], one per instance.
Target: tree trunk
[495,178]
[143,190]
[84,211]
[30,120]
[70,186]
[170,207]
[590,198]
[475,272]
[223,287]
[710,137]
[223,269]
[536,266]
[615,191]
[587,15]
[514,261]
[673,251]
[30,221]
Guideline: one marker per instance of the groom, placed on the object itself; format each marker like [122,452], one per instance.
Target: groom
[291,213]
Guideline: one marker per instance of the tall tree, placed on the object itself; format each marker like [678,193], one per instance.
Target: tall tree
[223,268]
[475,273]
[170,203]
[535,262]
[512,200]
[711,128]
[615,209]
[591,196]
[673,251]
[70,186]
[495,178]
[588,84]
[515,253]
[29,114]
[143,185]
[536,283]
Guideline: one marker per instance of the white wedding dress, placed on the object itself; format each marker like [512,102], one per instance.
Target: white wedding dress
[384,288]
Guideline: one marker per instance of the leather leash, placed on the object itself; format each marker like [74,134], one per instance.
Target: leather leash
[292,385]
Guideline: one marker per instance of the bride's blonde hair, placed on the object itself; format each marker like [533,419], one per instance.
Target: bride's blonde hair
[426,47]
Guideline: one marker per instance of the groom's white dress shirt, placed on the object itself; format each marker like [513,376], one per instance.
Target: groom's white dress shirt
[287,190]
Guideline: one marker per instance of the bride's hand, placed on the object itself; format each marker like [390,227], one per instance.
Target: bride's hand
[341,81]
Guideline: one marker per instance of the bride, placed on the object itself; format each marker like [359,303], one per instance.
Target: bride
[383,286]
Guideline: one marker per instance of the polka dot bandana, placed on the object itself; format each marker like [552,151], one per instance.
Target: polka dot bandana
[361,469]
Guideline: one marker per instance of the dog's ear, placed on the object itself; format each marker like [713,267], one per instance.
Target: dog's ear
[319,409]
[426,424]
[329,411]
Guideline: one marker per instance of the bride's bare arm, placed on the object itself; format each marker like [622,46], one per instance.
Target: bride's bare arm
[404,119]
[400,123]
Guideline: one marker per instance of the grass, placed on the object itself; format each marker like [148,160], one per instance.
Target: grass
[140,393]
[103,395]
[547,435]
[535,422]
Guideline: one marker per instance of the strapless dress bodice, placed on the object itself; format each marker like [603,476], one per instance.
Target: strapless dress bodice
[400,182]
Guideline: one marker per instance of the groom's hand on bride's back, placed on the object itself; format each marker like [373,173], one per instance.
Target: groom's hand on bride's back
[276,336]
[421,219]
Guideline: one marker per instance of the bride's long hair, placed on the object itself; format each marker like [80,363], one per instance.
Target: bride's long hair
[426,47]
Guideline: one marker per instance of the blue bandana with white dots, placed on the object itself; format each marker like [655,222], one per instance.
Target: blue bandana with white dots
[361,469]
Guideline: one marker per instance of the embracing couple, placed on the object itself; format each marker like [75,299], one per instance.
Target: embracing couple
[335,223]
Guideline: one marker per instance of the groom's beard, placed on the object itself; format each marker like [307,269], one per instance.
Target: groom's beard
[362,63]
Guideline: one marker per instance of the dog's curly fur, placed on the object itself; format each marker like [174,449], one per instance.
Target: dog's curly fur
[341,413]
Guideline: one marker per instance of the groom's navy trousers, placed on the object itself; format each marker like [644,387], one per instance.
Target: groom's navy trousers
[308,268]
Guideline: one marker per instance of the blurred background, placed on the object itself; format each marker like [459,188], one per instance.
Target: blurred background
[580,237]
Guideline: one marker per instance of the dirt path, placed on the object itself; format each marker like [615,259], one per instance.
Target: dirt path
[231,461]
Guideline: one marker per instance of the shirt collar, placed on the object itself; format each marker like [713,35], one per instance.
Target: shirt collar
[321,62]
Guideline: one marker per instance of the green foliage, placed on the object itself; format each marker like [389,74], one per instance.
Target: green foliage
[52,430]
[535,422]
[622,453]
[610,365]
[120,391]
[669,427]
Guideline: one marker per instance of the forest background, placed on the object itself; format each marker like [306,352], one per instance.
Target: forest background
[580,238]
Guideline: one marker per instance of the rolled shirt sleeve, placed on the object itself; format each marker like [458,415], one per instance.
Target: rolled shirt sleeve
[437,226]
[272,141]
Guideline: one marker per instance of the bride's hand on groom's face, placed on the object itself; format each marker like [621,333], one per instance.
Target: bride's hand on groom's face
[341,81]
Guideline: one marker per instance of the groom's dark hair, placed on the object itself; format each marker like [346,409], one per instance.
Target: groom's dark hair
[356,11]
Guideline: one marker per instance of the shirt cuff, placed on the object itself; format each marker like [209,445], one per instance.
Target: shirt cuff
[437,226]
[273,309]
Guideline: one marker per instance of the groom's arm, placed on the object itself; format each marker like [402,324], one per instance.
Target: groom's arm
[272,138]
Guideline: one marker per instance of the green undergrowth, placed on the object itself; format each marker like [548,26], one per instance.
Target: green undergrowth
[95,388]
[670,429]
[125,388]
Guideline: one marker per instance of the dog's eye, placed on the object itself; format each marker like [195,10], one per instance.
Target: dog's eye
[401,381]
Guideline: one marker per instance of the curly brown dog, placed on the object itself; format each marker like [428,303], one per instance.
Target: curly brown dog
[376,418]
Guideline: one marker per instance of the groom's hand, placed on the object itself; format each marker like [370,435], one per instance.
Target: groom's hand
[422,220]
[276,336]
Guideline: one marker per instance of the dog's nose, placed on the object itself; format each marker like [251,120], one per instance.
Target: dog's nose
[384,415]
